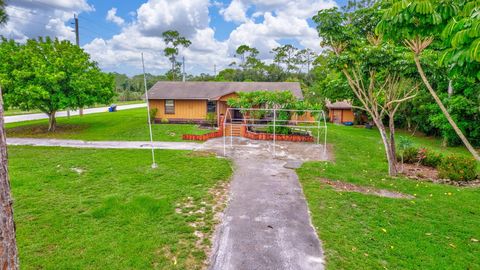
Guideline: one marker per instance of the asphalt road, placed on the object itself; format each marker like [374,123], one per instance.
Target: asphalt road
[36,116]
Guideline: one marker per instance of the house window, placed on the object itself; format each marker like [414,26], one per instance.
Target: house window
[169,106]
[211,106]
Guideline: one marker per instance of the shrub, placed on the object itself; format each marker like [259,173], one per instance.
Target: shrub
[153,113]
[211,118]
[410,155]
[458,168]
[164,121]
[431,158]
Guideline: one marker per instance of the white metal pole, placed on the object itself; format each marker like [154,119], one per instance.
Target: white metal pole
[325,142]
[224,124]
[318,129]
[274,131]
[154,164]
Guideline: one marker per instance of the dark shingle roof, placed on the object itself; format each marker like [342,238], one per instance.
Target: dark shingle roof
[215,90]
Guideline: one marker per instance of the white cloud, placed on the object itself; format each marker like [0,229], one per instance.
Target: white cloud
[31,19]
[157,16]
[189,17]
[282,19]
[112,17]
[263,24]
[235,12]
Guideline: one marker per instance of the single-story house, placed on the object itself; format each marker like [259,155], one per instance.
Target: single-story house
[340,111]
[185,102]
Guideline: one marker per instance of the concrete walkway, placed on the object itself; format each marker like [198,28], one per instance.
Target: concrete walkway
[104,144]
[36,116]
[267,223]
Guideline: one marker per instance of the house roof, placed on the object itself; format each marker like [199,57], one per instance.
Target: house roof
[215,90]
[344,104]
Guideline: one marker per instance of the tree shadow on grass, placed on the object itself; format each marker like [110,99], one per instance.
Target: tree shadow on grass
[41,130]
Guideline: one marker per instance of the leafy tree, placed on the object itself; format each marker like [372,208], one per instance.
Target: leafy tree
[248,57]
[226,75]
[462,39]
[8,244]
[372,72]
[305,57]
[418,24]
[52,75]
[286,55]
[174,41]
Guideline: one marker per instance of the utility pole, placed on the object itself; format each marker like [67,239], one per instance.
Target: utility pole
[214,70]
[77,40]
[77,36]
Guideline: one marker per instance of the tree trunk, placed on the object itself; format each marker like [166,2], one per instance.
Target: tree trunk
[8,245]
[391,127]
[52,122]
[392,162]
[444,110]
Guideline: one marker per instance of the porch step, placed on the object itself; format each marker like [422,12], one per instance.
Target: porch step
[233,130]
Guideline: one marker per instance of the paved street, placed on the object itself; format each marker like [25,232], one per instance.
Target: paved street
[36,116]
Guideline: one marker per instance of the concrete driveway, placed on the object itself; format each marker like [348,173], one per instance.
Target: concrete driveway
[36,116]
[267,223]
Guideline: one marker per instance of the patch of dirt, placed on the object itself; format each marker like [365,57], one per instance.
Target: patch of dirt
[424,173]
[349,187]
[201,154]
[214,205]
[418,171]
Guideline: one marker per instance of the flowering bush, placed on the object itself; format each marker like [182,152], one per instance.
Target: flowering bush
[458,168]
[431,158]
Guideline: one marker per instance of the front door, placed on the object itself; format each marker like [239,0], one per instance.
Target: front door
[337,116]
[237,116]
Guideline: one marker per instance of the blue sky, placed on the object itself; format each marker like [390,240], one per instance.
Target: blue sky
[115,32]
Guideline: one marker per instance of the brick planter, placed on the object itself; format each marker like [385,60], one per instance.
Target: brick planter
[250,135]
[280,137]
[204,137]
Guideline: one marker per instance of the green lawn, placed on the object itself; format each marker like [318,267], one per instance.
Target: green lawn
[432,231]
[125,125]
[107,209]
[15,111]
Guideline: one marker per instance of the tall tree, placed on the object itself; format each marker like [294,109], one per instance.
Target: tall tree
[8,244]
[248,56]
[52,75]
[418,24]
[286,55]
[174,42]
[370,67]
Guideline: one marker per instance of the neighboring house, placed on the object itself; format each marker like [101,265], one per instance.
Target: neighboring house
[185,102]
[340,112]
